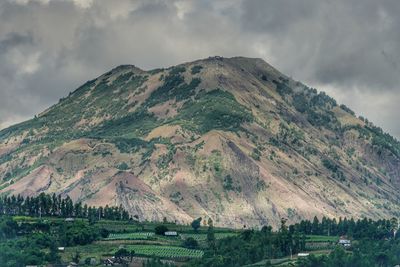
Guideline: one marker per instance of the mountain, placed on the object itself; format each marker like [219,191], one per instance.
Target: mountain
[232,139]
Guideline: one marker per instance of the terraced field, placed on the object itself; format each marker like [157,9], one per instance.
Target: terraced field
[321,238]
[318,242]
[165,251]
[130,236]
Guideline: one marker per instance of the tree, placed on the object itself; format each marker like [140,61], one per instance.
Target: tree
[76,257]
[190,243]
[160,229]
[196,224]
[104,232]
[88,260]
[394,225]
[53,256]
[131,254]
[210,234]
[121,253]
[315,226]
[8,227]
[123,166]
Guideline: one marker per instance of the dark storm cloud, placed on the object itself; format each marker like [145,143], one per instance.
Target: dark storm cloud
[348,48]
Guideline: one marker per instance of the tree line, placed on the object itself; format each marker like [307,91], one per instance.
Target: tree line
[56,205]
[361,228]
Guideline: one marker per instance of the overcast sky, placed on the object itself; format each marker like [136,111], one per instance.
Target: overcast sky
[350,49]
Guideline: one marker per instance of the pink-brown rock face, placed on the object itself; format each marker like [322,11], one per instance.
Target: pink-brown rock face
[230,139]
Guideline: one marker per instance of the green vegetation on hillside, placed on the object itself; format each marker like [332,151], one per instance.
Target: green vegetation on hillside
[215,109]
[174,87]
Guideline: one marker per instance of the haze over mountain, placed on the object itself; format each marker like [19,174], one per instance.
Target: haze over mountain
[232,139]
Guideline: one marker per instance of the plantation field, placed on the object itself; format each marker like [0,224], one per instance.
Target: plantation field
[321,238]
[130,236]
[97,251]
[165,251]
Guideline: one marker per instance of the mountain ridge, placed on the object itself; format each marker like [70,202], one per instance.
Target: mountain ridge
[232,139]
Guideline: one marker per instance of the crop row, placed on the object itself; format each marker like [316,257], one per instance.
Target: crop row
[130,236]
[165,251]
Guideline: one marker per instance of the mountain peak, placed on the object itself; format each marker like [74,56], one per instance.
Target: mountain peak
[232,139]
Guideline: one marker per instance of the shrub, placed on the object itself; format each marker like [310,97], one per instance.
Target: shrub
[160,229]
[123,166]
[190,243]
[196,224]
[196,69]
[330,165]
[345,108]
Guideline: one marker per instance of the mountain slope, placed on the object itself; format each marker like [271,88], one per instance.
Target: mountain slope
[228,138]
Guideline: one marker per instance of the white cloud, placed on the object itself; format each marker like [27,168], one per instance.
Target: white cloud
[83,3]
[183,7]
[24,63]
[25,2]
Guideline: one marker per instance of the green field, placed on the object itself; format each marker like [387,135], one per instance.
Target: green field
[165,251]
[203,237]
[130,236]
[321,238]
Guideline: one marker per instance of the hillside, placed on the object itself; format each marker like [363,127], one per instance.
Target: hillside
[232,139]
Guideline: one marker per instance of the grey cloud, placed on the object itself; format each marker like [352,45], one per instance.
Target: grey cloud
[349,48]
[341,42]
[13,39]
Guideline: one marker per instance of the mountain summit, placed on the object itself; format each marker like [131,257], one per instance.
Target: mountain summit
[231,139]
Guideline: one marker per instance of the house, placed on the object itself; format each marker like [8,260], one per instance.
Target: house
[303,254]
[171,233]
[114,261]
[344,242]
[107,262]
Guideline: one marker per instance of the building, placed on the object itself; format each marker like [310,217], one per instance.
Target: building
[114,261]
[171,233]
[344,242]
[303,254]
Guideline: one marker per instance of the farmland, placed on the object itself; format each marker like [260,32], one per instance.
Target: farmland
[165,251]
[140,237]
[130,236]
[133,243]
